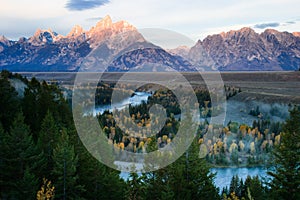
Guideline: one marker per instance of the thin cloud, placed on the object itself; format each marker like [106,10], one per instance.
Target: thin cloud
[94,19]
[267,25]
[85,4]
[290,22]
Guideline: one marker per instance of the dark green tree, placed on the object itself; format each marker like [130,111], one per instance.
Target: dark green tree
[47,139]
[41,98]
[20,159]
[190,177]
[30,105]
[286,172]
[100,181]
[225,191]
[136,187]
[9,102]
[65,163]
[157,179]
[2,162]
[234,185]
[28,185]
[254,186]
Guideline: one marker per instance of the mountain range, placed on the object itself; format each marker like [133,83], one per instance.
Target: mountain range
[119,46]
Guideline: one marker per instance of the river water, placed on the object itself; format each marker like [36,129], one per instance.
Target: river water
[134,100]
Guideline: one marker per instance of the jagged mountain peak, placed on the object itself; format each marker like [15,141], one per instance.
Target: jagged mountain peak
[41,37]
[107,24]
[41,31]
[76,31]
[122,26]
[105,29]
[104,23]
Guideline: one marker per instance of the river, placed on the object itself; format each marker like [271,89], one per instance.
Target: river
[134,100]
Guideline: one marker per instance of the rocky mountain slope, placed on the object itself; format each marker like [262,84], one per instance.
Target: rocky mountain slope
[120,47]
[49,51]
[247,50]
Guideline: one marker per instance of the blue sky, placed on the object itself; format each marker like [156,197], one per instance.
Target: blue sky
[193,18]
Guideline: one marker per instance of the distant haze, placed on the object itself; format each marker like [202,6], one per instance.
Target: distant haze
[166,39]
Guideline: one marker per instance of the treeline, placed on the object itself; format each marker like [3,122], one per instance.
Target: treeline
[251,188]
[239,144]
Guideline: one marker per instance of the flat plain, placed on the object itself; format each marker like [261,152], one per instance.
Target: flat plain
[269,87]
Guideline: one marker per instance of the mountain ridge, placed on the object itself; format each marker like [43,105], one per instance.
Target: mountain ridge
[235,50]
[246,50]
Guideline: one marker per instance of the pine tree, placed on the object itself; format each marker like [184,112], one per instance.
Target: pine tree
[286,173]
[190,177]
[40,98]
[19,159]
[136,187]
[30,106]
[253,187]
[156,179]
[28,185]
[65,169]
[9,102]
[234,184]
[100,181]
[2,162]
[47,139]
